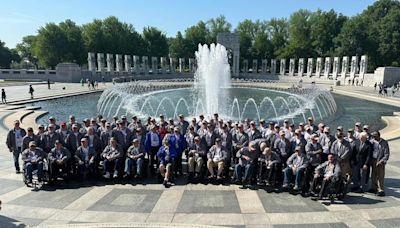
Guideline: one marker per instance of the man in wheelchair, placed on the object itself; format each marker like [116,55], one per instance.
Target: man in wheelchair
[327,176]
[58,159]
[33,158]
[297,165]
[85,158]
[270,168]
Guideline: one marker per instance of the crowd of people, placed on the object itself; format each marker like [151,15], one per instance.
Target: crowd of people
[304,158]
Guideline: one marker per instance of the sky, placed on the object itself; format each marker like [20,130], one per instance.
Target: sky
[19,18]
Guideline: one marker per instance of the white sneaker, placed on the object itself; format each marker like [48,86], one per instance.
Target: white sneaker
[107,175]
[115,174]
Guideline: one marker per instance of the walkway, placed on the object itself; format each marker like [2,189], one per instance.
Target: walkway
[186,205]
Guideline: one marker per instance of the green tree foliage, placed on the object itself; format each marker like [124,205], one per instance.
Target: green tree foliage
[218,25]
[6,56]
[156,42]
[24,50]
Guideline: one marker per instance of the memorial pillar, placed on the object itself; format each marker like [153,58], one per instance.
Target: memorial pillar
[292,65]
[327,68]
[310,67]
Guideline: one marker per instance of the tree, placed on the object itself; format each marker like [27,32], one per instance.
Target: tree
[156,42]
[76,49]
[5,56]
[299,35]
[218,25]
[178,46]
[25,50]
[278,28]
[195,35]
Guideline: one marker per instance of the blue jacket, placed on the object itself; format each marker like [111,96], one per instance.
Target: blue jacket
[162,154]
[147,142]
[177,145]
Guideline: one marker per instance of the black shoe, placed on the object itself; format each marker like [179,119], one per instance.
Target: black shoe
[381,194]
[17,171]
[165,183]
[372,191]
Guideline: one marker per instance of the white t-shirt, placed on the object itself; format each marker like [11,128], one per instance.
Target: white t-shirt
[155,141]
[18,138]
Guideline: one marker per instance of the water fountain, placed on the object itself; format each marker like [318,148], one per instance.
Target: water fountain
[212,90]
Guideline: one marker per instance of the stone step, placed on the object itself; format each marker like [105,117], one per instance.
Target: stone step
[33,108]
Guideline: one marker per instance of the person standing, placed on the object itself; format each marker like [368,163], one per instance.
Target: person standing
[14,143]
[380,157]
[3,96]
[31,90]
[48,83]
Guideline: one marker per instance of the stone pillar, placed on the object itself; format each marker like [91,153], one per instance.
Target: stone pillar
[255,66]
[128,63]
[118,63]
[154,64]
[354,66]
[145,63]
[345,66]
[172,65]
[264,66]
[273,66]
[292,65]
[245,66]
[318,68]
[300,71]
[136,64]
[282,67]
[181,65]
[91,62]
[236,61]
[191,65]
[100,62]
[310,67]
[336,67]
[327,67]
[163,63]
[110,63]
[363,66]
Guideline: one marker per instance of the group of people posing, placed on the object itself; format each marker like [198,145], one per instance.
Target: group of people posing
[304,158]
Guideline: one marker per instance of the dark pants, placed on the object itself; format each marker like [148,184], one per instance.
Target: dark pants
[360,176]
[30,167]
[16,154]
[110,166]
[178,163]
[87,167]
[271,175]
[55,169]
[247,169]
[129,163]
[153,158]
[289,175]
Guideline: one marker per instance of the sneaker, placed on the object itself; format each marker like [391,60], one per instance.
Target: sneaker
[126,175]
[115,174]
[381,193]
[295,188]
[165,183]
[107,175]
[285,186]
[219,178]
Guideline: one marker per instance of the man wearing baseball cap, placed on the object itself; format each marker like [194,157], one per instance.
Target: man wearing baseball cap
[33,160]
[58,157]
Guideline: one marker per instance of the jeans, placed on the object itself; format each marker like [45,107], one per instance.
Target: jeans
[360,178]
[298,176]
[16,154]
[30,167]
[108,166]
[129,162]
[248,172]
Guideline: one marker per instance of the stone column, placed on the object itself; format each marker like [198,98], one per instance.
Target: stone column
[245,66]
[273,66]
[154,64]
[172,65]
[363,66]
[91,62]
[163,63]
[300,71]
[136,64]
[110,63]
[145,63]
[327,68]
[310,67]
[264,66]
[354,66]
[336,67]
[118,63]
[345,67]
[236,60]
[128,63]
[292,65]
[318,68]
[181,65]
[282,67]
[100,62]
[191,65]
[255,66]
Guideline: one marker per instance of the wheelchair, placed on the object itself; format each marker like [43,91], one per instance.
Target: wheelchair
[36,184]
[334,189]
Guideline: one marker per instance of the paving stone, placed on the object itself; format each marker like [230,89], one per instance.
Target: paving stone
[195,201]
[328,225]
[58,198]
[128,200]
[7,185]
[366,201]
[386,222]
[287,203]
